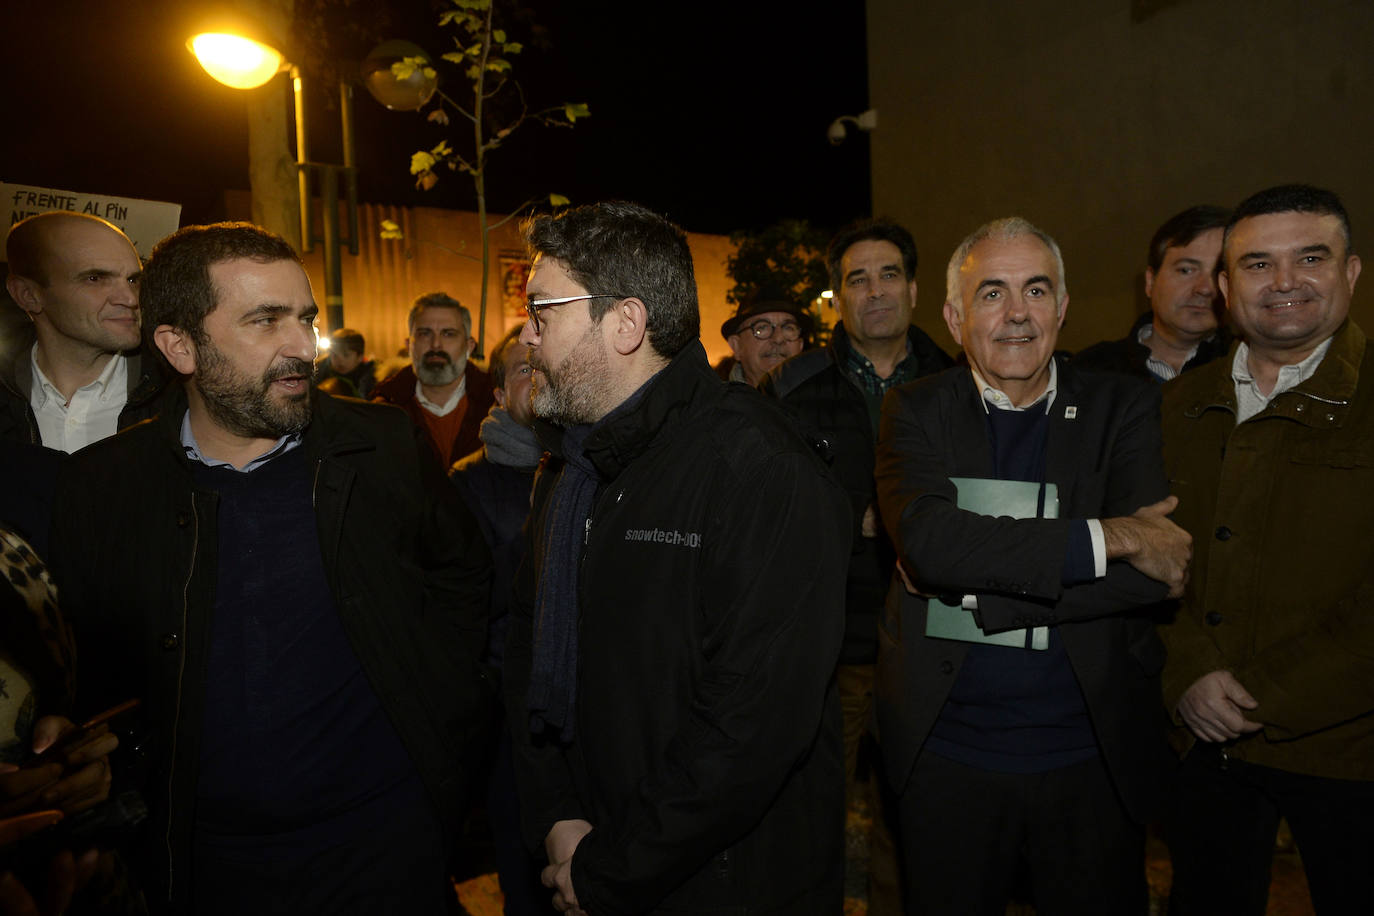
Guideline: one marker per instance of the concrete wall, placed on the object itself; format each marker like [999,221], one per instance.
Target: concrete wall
[1098,124]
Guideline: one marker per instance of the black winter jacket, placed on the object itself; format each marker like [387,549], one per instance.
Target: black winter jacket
[147,389]
[134,556]
[707,754]
[1129,355]
[499,497]
[833,410]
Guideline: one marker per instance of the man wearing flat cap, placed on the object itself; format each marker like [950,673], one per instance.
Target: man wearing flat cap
[766,330]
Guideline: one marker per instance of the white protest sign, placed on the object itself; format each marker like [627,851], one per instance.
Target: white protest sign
[145,222]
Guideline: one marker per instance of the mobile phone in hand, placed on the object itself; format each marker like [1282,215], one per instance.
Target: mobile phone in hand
[78,735]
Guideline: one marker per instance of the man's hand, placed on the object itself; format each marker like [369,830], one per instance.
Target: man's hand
[868,527]
[908,584]
[560,844]
[1152,543]
[1212,708]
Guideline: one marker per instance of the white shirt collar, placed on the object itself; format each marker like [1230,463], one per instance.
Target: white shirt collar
[1249,399]
[446,408]
[114,376]
[998,398]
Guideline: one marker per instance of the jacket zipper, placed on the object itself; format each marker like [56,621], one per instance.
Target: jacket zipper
[1332,401]
[181,676]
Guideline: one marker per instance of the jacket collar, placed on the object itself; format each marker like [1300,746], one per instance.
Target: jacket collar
[1064,451]
[15,367]
[1331,388]
[327,435]
[400,387]
[622,437]
[146,377]
[919,345]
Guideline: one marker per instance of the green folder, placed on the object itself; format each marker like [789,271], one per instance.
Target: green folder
[1009,498]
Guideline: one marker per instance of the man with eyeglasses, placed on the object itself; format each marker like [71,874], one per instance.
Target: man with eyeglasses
[765,331]
[443,393]
[673,631]
[835,394]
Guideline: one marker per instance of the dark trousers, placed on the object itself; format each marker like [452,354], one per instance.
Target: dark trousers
[516,869]
[966,832]
[1221,822]
[388,861]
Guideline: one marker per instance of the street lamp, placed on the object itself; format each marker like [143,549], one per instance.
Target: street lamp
[242,61]
[235,60]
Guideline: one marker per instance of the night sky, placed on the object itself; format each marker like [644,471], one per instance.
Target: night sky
[713,112]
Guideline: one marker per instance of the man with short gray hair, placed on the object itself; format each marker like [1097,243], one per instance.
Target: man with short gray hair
[444,394]
[1018,710]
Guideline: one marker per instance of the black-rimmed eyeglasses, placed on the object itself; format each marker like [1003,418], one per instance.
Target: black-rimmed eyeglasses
[534,306]
[764,329]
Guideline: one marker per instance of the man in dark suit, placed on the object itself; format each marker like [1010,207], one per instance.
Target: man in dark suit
[1181,330]
[1046,757]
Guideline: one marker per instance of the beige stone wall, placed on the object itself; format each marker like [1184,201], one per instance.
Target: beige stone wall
[1098,127]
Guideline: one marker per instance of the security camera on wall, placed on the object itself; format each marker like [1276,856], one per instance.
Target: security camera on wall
[839,129]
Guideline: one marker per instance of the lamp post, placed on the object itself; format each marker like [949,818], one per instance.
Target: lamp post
[241,62]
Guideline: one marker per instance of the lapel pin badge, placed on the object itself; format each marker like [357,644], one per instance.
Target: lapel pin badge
[1070,412]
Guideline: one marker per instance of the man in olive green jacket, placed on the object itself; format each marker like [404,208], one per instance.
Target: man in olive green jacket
[1270,676]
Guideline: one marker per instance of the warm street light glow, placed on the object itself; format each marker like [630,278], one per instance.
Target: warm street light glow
[235,61]
[828,294]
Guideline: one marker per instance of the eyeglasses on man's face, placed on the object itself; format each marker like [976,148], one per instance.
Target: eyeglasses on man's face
[764,329]
[534,306]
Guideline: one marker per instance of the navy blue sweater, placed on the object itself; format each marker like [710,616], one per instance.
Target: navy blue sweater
[1017,710]
[294,737]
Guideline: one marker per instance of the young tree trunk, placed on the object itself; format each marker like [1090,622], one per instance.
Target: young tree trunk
[271,165]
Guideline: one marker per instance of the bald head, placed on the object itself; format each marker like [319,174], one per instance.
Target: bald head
[77,277]
[31,240]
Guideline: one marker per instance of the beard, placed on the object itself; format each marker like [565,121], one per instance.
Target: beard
[576,391]
[243,405]
[442,371]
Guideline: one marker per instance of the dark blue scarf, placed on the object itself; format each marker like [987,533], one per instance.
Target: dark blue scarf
[552,697]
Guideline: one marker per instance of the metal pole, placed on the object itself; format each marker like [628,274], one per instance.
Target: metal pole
[350,163]
[333,263]
[302,161]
